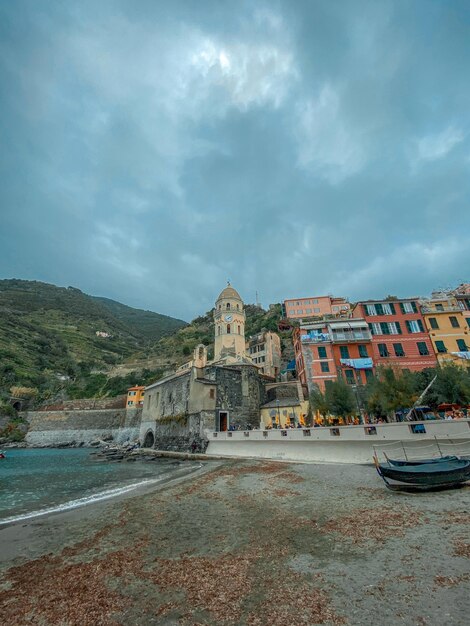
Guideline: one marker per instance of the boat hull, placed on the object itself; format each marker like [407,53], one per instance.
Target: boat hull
[438,474]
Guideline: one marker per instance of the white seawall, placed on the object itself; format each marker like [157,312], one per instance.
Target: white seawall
[346,444]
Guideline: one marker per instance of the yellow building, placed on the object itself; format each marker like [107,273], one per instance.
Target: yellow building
[135,397]
[448,329]
[265,351]
[286,411]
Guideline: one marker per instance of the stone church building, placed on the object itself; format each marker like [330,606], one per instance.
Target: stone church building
[204,396]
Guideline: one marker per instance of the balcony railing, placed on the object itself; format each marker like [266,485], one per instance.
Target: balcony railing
[355,335]
[444,309]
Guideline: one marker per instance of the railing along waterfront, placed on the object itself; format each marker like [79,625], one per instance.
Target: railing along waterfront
[396,431]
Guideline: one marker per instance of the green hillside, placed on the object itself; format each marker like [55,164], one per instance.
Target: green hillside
[147,324]
[48,334]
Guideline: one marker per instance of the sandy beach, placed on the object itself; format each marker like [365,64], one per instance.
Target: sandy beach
[245,542]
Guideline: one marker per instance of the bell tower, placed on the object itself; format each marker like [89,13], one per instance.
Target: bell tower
[229,321]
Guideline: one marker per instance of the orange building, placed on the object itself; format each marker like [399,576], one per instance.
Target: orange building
[304,308]
[135,397]
[330,349]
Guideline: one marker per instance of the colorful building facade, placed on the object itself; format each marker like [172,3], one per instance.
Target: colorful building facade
[448,328]
[264,349]
[399,335]
[330,349]
[304,308]
[135,397]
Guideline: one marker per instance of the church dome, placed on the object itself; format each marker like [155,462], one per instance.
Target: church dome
[229,293]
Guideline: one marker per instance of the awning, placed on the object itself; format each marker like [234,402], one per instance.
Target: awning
[358,364]
[462,355]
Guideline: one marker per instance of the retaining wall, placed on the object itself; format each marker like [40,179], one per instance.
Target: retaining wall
[53,428]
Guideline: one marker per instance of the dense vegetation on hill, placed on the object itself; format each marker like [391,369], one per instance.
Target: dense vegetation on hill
[48,335]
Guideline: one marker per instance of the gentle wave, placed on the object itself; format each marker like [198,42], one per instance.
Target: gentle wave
[73,504]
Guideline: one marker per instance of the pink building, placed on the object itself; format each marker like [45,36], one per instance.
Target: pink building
[304,308]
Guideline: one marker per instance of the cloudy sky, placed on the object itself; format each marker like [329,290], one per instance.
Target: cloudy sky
[152,150]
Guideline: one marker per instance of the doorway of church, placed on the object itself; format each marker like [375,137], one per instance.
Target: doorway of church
[223,421]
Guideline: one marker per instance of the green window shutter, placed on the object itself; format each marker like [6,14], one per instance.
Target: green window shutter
[325,367]
[385,328]
[344,352]
[440,346]
[422,348]
[413,306]
[398,348]
[322,352]
[402,307]
[379,309]
[420,324]
[462,345]
[398,328]
[433,323]
[371,328]
[408,325]
[363,352]
[392,307]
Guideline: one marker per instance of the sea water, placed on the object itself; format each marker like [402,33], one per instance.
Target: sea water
[38,481]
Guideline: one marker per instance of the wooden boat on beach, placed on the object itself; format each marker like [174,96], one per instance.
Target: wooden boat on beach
[427,474]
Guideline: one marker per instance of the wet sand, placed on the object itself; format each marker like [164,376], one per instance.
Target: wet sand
[246,542]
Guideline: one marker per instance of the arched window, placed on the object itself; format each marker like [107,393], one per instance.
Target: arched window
[219,330]
[239,330]
[228,329]
[228,305]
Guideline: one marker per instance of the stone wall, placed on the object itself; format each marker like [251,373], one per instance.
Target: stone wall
[118,402]
[180,435]
[81,427]
[240,391]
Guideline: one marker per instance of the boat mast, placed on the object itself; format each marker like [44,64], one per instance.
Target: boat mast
[419,400]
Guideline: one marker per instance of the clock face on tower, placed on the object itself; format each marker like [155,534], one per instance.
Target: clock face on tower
[228,318]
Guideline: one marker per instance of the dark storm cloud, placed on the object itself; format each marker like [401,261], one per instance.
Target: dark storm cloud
[153,150]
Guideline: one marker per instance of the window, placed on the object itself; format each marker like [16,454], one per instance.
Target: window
[398,348]
[369,374]
[454,322]
[344,352]
[388,308]
[335,308]
[130,402]
[212,393]
[375,329]
[324,366]
[363,352]
[228,305]
[439,307]
[433,323]
[370,309]
[308,310]
[299,311]
[395,328]
[383,350]
[219,330]
[408,307]
[468,321]
[322,352]
[228,329]
[316,310]
[239,330]
[414,326]
[370,430]
[315,301]
[306,301]
[462,345]
[349,377]
[422,348]
[379,309]
[384,328]
[440,346]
